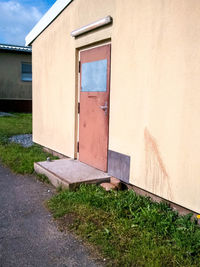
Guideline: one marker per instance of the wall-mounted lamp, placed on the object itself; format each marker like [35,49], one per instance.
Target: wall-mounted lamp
[92,26]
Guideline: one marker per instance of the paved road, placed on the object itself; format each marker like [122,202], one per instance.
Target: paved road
[28,234]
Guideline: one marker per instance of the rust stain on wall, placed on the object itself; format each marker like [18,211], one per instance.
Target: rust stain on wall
[155,171]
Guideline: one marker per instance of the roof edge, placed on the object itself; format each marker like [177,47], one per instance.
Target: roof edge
[48,17]
[16,48]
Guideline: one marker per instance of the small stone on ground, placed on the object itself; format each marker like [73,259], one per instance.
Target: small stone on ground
[108,186]
[115,182]
[23,139]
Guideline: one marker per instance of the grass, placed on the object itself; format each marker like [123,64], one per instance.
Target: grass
[20,123]
[18,158]
[129,230]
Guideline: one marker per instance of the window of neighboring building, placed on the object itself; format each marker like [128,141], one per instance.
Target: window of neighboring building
[26,72]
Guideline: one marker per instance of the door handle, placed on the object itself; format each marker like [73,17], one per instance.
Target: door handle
[105,107]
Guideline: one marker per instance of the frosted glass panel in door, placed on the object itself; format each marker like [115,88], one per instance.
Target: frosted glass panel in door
[94,76]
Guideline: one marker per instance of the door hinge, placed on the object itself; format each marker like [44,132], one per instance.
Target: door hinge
[77,146]
[79,66]
[78,107]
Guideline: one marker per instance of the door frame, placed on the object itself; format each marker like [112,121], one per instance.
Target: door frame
[77,90]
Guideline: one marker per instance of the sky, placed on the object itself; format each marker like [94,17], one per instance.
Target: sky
[18,17]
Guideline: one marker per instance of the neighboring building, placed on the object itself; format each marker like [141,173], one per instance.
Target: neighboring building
[139,94]
[15,78]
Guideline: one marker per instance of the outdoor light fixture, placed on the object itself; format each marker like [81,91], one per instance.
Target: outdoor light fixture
[92,26]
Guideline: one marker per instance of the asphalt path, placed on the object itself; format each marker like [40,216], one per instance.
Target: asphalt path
[28,234]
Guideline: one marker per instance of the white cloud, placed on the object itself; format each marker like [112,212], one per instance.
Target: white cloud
[16,20]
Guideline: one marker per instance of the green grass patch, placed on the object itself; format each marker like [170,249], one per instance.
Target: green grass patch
[20,159]
[128,229]
[19,123]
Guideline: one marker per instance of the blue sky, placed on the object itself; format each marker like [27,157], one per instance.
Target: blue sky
[18,17]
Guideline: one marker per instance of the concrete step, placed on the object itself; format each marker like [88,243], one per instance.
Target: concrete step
[70,173]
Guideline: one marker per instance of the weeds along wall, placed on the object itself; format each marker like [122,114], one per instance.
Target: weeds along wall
[154,93]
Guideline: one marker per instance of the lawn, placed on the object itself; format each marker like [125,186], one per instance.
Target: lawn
[128,230]
[19,123]
[15,156]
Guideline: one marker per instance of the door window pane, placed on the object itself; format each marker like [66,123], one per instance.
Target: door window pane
[94,76]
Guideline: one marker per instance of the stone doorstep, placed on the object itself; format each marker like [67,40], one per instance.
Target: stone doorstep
[53,178]
[57,180]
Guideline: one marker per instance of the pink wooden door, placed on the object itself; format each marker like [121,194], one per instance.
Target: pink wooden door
[94,106]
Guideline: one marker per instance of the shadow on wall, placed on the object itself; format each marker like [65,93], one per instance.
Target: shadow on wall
[156,176]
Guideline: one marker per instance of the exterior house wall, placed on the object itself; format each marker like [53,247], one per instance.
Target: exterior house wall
[154,92]
[12,88]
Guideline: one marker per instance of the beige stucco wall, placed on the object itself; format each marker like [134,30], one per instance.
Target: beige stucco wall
[154,95]
[11,85]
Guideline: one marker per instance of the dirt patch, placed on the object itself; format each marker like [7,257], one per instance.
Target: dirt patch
[66,222]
